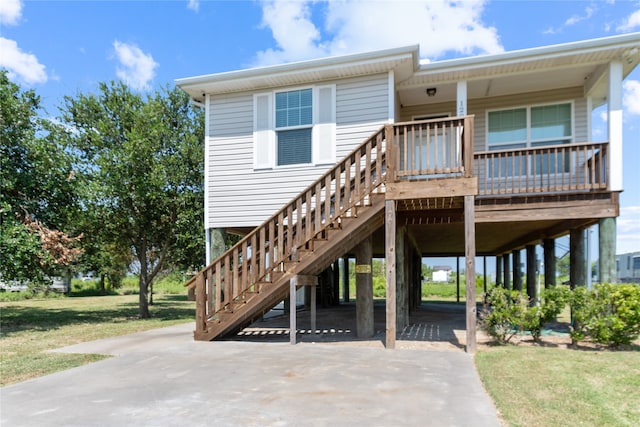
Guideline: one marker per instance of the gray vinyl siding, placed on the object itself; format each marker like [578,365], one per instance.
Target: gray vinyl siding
[239,196]
[480,106]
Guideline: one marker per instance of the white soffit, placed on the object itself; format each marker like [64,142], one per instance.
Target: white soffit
[565,58]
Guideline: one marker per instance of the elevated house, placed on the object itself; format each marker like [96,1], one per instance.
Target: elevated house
[376,154]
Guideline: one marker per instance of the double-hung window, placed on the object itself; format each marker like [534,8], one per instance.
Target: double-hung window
[531,127]
[294,127]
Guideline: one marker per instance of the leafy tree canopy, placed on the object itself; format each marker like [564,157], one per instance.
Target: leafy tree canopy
[142,163]
[37,190]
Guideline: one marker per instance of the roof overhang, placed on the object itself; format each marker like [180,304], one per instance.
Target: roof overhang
[579,64]
[403,61]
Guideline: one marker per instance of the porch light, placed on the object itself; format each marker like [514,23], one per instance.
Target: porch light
[431,91]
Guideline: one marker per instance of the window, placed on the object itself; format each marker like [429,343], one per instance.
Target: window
[508,129]
[294,127]
[535,126]
[294,121]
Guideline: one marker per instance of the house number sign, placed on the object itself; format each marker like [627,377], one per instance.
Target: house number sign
[363,268]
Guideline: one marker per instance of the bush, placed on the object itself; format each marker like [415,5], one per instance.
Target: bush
[553,301]
[505,318]
[511,313]
[609,314]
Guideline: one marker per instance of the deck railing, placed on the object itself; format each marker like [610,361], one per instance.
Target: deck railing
[433,149]
[550,169]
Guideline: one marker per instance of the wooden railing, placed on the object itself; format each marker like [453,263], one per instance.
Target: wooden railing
[433,149]
[550,169]
[264,252]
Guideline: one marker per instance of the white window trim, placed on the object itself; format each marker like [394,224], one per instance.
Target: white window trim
[265,136]
[270,135]
[528,107]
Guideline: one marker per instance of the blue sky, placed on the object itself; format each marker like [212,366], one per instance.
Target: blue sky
[64,47]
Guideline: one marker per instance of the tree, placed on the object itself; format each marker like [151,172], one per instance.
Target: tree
[37,197]
[142,162]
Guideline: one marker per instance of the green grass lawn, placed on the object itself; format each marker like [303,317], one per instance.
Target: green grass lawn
[29,328]
[541,386]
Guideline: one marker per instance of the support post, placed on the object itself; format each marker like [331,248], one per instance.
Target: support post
[517,270]
[484,274]
[390,242]
[336,283]
[507,271]
[470,256]
[293,328]
[607,250]
[576,258]
[549,263]
[402,282]
[457,279]
[313,309]
[217,243]
[364,289]
[311,283]
[531,274]
[499,278]
[615,124]
[345,279]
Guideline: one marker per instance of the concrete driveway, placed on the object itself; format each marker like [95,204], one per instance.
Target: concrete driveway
[164,378]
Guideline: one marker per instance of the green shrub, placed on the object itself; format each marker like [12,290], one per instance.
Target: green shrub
[511,312]
[553,301]
[609,314]
[505,318]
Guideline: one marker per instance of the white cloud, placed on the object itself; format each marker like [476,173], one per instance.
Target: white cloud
[588,13]
[193,5]
[630,23]
[341,27]
[10,12]
[295,34]
[135,68]
[22,66]
[628,230]
[631,96]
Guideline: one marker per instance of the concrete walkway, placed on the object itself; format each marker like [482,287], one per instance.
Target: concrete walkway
[164,378]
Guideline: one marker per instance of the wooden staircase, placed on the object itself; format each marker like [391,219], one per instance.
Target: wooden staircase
[323,222]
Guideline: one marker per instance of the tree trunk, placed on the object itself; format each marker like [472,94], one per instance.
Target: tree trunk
[144,305]
[103,291]
[151,294]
